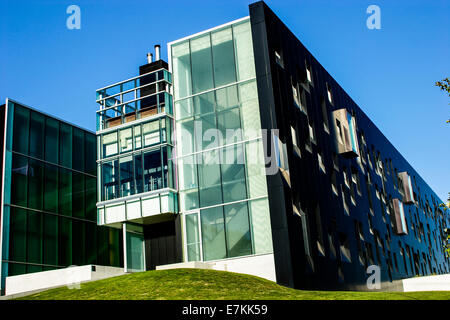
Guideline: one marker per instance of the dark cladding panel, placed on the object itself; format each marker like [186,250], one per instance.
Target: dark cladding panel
[163,243]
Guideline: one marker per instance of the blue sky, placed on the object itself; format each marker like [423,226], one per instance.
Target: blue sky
[389,73]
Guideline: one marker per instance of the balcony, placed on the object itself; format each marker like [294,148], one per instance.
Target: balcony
[144,208]
[136,98]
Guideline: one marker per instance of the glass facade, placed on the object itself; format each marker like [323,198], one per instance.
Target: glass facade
[49,214]
[221,173]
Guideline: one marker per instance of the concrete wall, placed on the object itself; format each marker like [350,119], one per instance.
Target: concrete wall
[55,278]
[259,265]
[430,283]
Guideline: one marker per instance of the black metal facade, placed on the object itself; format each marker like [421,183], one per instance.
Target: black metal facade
[341,245]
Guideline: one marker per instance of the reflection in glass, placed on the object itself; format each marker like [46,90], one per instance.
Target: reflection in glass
[223,57]
[192,237]
[238,230]
[182,68]
[110,180]
[152,171]
[202,75]
[109,143]
[213,234]
[126,140]
[126,176]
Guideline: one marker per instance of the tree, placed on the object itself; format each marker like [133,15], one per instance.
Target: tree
[444,85]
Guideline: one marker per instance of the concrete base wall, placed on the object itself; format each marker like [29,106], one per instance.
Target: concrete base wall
[260,265]
[429,283]
[71,276]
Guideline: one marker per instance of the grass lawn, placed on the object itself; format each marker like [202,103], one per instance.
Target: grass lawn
[198,284]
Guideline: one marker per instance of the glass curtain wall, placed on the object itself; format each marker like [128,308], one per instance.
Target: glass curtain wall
[221,176]
[49,204]
[136,159]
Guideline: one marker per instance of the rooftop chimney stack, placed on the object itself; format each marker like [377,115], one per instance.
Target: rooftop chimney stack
[149,58]
[157,52]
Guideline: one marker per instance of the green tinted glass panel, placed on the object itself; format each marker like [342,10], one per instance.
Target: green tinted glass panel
[65,145]
[35,184]
[90,195]
[78,149]
[18,235]
[238,230]
[213,234]
[233,173]
[223,57]
[204,103]
[91,243]
[78,199]
[65,241]
[78,242]
[202,74]
[229,124]
[37,125]
[192,237]
[51,188]
[19,177]
[50,239]
[209,179]
[21,129]
[110,180]
[205,127]
[182,67]
[90,154]
[34,237]
[126,176]
[15,269]
[51,140]
[65,192]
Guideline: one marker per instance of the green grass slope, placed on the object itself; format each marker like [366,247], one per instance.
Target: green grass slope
[198,284]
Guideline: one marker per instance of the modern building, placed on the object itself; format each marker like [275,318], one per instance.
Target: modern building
[48,194]
[243,153]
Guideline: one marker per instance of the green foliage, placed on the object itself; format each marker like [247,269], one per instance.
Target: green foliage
[198,284]
[444,85]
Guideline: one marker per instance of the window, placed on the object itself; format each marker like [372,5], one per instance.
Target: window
[325,115]
[137,137]
[237,230]
[192,237]
[209,178]
[21,129]
[150,133]
[320,160]
[308,72]
[320,243]
[65,145]
[344,247]
[110,180]
[126,176]
[223,57]
[152,171]
[329,94]
[233,174]
[334,182]
[202,73]
[37,135]
[294,136]
[110,146]
[126,140]
[213,234]
[182,67]
[51,140]
[279,58]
